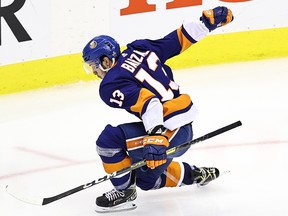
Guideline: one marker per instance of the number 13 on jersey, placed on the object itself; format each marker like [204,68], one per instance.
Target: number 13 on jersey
[119,95]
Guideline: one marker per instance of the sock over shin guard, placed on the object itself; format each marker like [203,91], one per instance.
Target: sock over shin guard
[178,174]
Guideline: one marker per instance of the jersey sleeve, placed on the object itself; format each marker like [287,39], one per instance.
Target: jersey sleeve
[139,101]
[121,94]
[174,43]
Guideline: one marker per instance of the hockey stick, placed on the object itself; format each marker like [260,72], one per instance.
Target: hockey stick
[44,201]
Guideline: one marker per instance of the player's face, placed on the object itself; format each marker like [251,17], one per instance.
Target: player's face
[99,72]
[95,69]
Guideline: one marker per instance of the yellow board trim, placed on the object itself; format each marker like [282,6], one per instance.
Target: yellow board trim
[214,49]
[42,73]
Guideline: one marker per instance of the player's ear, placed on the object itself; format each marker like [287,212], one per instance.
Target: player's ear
[106,62]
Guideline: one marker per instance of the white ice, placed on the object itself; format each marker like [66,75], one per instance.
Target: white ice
[47,145]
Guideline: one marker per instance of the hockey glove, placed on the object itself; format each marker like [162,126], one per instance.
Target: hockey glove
[154,150]
[216,17]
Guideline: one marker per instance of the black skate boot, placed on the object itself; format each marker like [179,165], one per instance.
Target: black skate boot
[203,175]
[115,200]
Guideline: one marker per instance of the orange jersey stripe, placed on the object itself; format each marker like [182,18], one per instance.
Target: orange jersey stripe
[182,102]
[144,95]
[185,43]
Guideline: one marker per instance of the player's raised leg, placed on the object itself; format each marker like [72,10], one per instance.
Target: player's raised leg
[203,175]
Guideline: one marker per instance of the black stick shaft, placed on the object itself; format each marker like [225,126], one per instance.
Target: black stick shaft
[141,163]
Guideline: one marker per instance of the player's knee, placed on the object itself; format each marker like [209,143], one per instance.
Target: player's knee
[111,137]
[147,185]
[110,150]
[143,185]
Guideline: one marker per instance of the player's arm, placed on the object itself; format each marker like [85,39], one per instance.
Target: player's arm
[188,34]
[148,107]
[155,144]
[192,32]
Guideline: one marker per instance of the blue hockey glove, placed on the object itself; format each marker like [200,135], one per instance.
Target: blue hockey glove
[216,17]
[154,150]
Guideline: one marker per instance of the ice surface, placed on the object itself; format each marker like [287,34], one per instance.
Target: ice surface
[47,141]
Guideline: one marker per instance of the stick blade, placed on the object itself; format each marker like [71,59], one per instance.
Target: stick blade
[17,195]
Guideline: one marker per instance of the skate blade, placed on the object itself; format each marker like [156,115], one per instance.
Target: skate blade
[122,207]
[224,173]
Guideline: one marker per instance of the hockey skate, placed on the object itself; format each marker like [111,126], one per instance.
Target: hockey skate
[203,175]
[114,200]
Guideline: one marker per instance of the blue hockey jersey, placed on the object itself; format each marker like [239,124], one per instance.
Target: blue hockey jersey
[141,83]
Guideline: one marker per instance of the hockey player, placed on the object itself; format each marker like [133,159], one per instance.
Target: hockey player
[139,81]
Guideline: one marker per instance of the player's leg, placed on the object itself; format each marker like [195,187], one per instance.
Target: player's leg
[148,179]
[111,147]
[174,174]
[181,173]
